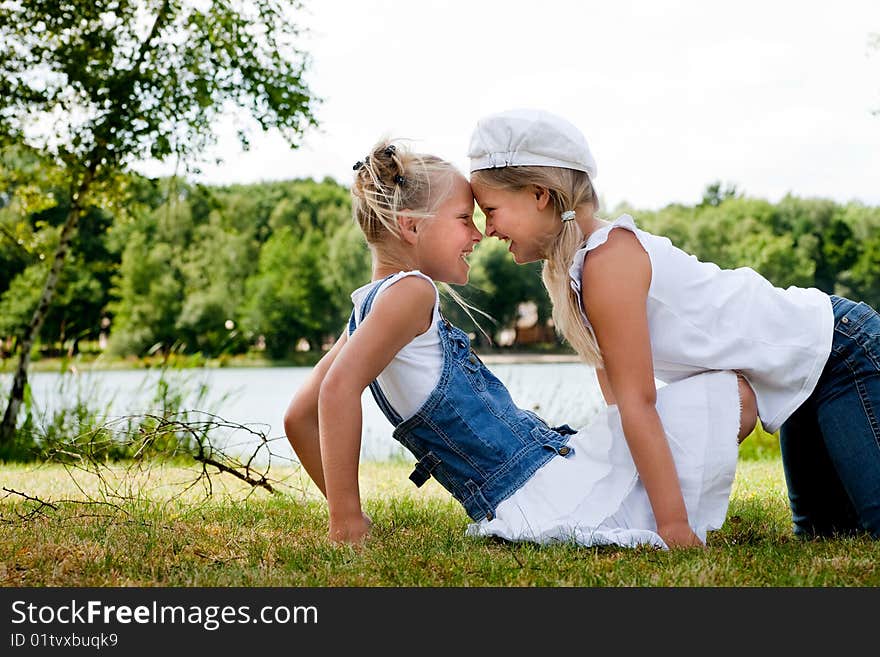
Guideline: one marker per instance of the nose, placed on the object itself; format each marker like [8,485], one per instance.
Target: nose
[490,229]
[477,236]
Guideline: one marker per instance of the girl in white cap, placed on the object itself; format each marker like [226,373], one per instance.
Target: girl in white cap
[636,307]
[515,476]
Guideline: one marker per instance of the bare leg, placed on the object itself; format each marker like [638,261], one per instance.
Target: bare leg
[748,416]
[301,429]
[301,418]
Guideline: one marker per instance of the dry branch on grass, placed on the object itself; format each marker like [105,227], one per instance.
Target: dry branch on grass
[146,442]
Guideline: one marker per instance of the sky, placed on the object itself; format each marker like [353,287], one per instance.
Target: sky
[772,96]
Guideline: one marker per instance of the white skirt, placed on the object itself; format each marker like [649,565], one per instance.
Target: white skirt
[595,496]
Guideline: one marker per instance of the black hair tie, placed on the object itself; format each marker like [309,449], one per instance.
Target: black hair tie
[399,180]
[357,165]
[390,150]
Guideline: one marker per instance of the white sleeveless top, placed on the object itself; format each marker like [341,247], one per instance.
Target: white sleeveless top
[594,497]
[702,317]
[411,376]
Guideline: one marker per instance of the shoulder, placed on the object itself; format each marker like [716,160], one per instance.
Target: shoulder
[611,239]
[411,284]
[410,297]
[617,273]
[619,252]
[613,236]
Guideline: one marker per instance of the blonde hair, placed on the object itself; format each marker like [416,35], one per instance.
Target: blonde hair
[569,189]
[392,179]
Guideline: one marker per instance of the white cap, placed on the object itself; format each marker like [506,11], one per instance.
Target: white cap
[527,137]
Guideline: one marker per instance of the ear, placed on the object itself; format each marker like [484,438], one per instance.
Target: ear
[408,226]
[542,196]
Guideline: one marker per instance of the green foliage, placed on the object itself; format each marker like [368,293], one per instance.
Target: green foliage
[214,271]
[83,287]
[22,447]
[19,300]
[150,293]
[95,86]
[287,299]
[309,205]
[181,263]
[348,266]
[715,194]
[497,285]
[128,81]
[760,445]
[804,242]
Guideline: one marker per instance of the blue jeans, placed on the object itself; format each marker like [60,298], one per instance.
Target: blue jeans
[831,444]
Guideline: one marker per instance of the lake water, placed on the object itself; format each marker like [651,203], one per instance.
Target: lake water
[257,397]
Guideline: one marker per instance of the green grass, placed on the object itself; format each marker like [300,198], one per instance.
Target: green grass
[251,538]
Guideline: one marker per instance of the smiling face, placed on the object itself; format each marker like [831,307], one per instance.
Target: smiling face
[447,238]
[522,217]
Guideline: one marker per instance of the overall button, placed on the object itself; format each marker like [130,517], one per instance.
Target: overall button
[489,515]
[473,358]
[845,320]
[564,450]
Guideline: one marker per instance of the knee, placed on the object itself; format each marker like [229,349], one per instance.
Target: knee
[748,415]
[293,418]
[289,421]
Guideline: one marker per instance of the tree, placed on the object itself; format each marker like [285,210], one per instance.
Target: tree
[215,269]
[714,194]
[102,84]
[150,291]
[286,297]
[348,266]
[862,280]
[497,285]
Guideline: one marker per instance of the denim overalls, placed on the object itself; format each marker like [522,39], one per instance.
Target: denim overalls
[469,435]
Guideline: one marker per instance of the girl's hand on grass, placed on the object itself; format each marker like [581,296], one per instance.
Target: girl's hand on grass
[679,535]
[353,530]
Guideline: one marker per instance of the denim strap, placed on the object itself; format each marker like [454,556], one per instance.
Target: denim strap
[423,469]
[376,391]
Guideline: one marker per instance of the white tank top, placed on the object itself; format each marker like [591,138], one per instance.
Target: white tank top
[411,376]
[702,317]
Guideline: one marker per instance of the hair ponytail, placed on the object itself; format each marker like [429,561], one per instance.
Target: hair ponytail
[569,189]
[566,305]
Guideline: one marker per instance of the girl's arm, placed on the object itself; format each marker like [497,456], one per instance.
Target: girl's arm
[301,417]
[616,278]
[399,314]
[605,387]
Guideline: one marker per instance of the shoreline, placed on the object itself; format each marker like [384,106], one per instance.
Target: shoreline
[78,363]
[510,359]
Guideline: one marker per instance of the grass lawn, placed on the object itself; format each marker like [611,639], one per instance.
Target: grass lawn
[141,531]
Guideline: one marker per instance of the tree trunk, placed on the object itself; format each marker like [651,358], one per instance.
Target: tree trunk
[19,382]
[98,154]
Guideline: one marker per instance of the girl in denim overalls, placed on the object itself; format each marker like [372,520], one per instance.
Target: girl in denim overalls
[515,476]
[636,307]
